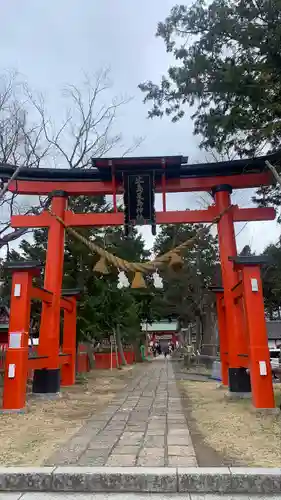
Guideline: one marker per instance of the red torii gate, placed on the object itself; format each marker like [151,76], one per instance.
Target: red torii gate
[171,176]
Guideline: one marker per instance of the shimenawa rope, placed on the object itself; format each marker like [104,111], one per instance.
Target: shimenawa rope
[142,267]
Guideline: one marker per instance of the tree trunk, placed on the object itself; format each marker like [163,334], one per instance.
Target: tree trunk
[209,334]
[90,354]
[120,346]
[181,337]
[198,332]
[136,346]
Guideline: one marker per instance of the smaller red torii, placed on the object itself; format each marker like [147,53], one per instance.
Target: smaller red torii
[18,361]
[249,353]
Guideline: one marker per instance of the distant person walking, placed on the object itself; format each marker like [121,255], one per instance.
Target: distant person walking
[158,348]
[166,350]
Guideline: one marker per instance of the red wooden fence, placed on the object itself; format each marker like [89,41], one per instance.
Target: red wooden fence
[102,359]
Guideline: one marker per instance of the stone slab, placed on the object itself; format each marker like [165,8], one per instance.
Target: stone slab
[92,461]
[121,460]
[103,443]
[155,431]
[22,411]
[182,451]
[179,440]
[114,479]
[154,441]
[238,395]
[196,482]
[152,457]
[256,480]
[126,450]
[26,478]
[232,496]
[204,480]
[230,480]
[131,436]
[103,496]
[148,461]
[179,461]
[178,432]
[10,496]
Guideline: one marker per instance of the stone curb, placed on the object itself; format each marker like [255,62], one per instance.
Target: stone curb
[141,479]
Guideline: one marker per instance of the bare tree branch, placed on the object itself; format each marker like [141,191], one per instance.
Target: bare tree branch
[14,235]
[21,143]
[274,171]
[136,144]
[6,187]
[87,131]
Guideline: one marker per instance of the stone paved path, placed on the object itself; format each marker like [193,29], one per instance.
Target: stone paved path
[143,426]
[130,496]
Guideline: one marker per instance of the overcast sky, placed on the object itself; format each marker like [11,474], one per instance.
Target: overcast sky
[52,43]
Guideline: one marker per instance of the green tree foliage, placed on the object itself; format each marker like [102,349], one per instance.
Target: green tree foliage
[228,67]
[246,251]
[185,294]
[271,275]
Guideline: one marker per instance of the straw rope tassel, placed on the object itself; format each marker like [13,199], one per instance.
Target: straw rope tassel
[138,281]
[176,261]
[101,267]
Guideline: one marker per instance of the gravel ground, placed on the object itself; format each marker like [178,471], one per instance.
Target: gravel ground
[230,432]
[29,438]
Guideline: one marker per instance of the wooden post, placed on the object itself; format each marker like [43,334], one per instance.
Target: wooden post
[111,352]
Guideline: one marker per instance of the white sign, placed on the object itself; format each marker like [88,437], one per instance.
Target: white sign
[254,284]
[17,290]
[15,340]
[263,370]
[165,336]
[12,371]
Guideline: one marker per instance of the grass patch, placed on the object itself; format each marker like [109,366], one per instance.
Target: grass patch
[234,428]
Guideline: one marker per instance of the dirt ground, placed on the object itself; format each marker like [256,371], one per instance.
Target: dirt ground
[30,438]
[228,432]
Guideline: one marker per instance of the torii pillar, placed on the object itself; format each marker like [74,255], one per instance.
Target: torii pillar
[238,378]
[69,337]
[16,366]
[253,304]
[49,337]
